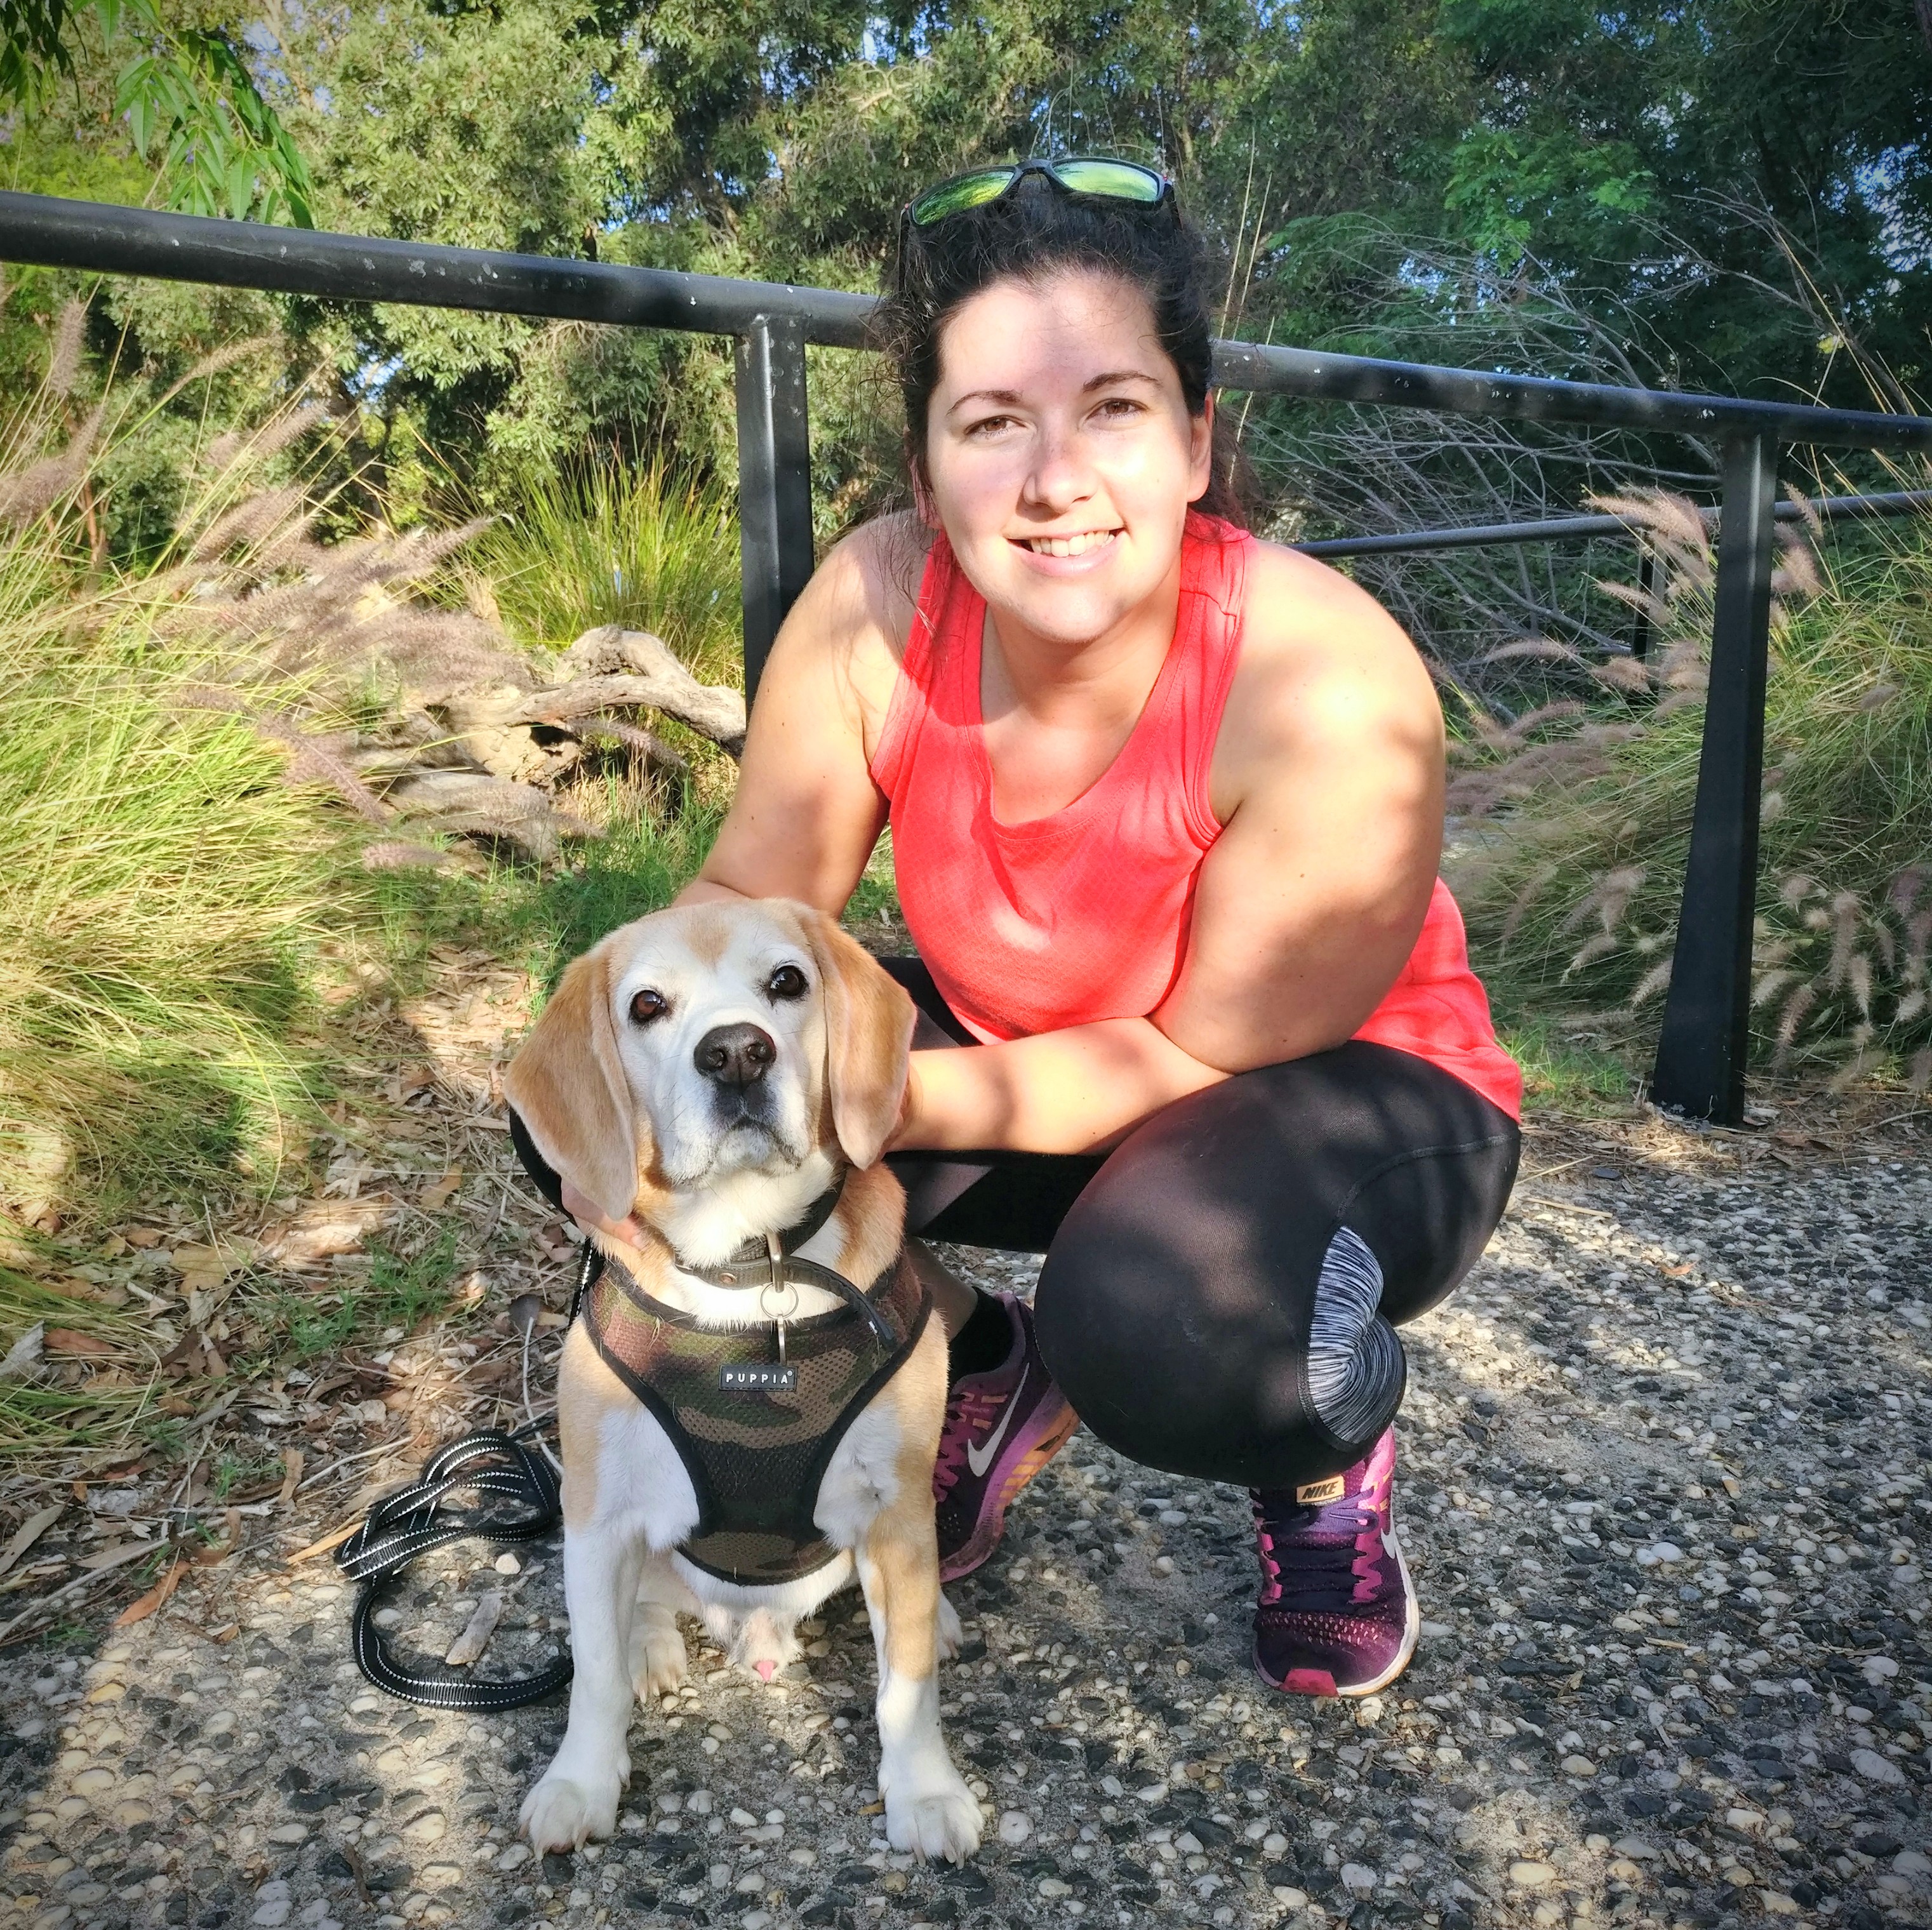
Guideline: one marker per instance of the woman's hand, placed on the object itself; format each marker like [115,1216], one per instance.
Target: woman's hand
[591,1218]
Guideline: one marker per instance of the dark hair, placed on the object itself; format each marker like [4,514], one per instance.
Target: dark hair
[1035,231]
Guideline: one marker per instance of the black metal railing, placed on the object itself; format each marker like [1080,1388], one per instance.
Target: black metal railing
[1701,1055]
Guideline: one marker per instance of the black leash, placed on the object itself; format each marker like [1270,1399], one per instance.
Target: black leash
[408,1523]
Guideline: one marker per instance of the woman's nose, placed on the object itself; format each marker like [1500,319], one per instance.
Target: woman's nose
[1059,476]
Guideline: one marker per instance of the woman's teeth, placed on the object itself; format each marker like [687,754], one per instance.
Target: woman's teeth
[1070,546]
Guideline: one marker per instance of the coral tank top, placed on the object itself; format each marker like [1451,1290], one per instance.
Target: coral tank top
[1083,914]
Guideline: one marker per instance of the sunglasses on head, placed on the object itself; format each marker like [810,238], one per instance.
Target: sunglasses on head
[1122,180]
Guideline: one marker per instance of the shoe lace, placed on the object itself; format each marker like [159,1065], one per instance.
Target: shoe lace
[968,1411]
[1308,1553]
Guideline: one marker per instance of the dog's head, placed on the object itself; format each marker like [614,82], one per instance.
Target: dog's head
[711,1040]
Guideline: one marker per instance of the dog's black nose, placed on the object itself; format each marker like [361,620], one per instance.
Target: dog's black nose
[735,1055]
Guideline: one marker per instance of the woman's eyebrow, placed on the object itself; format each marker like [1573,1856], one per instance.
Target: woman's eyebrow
[1010,398]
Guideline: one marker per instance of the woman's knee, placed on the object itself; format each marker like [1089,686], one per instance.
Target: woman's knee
[1215,1305]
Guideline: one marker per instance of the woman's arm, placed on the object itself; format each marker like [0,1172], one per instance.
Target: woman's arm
[1328,779]
[806,813]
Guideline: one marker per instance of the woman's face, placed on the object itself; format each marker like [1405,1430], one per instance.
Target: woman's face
[1060,454]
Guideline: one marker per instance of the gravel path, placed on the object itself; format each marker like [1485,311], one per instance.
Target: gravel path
[1663,1484]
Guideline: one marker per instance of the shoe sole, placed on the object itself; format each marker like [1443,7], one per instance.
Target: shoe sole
[977,1552]
[1412,1629]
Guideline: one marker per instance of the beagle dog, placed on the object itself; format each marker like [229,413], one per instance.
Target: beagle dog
[711,1079]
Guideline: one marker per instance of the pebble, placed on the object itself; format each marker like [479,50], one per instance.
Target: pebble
[1531,1875]
[1015,1826]
[1878,1768]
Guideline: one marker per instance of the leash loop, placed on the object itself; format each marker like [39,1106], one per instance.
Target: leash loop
[410,1523]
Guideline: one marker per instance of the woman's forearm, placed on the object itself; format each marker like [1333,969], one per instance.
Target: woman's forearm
[1071,1092]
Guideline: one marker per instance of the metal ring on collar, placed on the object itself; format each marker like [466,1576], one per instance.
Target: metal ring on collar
[771,1287]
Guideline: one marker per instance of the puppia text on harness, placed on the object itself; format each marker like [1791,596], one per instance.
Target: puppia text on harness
[755,1447]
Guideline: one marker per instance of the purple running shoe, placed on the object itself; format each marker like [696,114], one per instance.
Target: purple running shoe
[1002,1428]
[1337,1615]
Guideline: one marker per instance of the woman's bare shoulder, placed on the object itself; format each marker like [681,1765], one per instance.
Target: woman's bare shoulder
[868,584]
[847,634]
[1323,667]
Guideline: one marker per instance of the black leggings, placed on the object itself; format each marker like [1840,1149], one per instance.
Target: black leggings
[1220,1291]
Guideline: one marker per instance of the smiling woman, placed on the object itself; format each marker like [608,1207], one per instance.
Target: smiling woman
[1166,807]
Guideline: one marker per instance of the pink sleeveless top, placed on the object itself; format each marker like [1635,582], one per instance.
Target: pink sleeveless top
[1083,914]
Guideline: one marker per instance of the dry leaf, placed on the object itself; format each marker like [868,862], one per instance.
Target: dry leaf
[436,1195]
[29,1531]
[113,1557]
[143,1606]
[292,1473]
[328,1541]
[24,1355]
[69,1341]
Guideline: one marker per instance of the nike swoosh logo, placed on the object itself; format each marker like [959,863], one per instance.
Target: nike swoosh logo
[980,1458]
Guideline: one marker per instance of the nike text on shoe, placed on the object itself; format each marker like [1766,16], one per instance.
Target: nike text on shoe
[1002,1428]
[1337,1615]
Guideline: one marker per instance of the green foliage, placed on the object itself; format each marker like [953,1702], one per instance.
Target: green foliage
[1571,884]
[187,94]
[633,547]
[164,888]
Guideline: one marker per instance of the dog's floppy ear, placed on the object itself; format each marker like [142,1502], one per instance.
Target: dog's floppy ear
[567,1084]
[869,1022]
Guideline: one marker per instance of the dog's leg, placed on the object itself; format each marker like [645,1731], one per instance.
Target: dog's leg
[578,1797]
[929,1810]
[951,1635]
[657,1644]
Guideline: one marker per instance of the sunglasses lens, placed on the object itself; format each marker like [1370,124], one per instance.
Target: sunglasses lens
[954,198]
[1118,180]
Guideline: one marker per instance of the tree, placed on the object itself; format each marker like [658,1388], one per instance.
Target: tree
[187,94]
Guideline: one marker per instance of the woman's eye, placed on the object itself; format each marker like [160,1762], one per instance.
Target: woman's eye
[989,425]
[787,981]
[647,1005]
[1117,407]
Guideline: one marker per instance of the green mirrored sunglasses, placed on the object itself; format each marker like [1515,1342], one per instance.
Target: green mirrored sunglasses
[1077,174]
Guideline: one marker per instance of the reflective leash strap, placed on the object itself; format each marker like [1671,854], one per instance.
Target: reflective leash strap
[407,1523]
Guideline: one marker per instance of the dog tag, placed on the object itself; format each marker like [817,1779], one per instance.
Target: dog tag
[758,1377]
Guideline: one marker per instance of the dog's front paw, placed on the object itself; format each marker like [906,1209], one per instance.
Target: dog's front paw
[562,1813]
[937,1816]
[950,1633]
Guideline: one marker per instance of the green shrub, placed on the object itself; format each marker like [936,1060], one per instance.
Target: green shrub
[164,888]
[635,547]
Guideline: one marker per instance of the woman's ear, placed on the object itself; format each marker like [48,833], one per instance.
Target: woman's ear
[923,505]
[869,1022]
[567,1083]
[1201,449]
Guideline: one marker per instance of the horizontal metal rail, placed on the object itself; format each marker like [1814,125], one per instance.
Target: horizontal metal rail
[1574,529]
[39,230]
[51,233]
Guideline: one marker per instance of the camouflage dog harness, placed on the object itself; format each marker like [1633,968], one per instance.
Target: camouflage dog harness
[756,1413]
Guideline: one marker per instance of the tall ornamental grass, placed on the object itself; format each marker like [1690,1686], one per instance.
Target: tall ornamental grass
[606,545]
[1575,818]
[165,887]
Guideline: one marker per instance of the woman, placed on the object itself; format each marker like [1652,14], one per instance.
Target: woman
[1197,1018]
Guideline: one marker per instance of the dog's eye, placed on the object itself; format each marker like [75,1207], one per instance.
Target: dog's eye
[647,1005]
[787,981]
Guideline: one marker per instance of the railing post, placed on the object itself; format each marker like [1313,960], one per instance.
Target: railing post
[1700,1057]
[1646,587]
[774,482]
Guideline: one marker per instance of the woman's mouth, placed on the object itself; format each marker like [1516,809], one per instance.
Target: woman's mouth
[1079,546]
